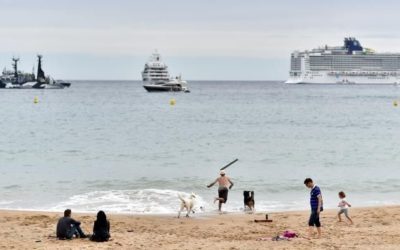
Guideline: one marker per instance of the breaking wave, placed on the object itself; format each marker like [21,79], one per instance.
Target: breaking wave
[144,201]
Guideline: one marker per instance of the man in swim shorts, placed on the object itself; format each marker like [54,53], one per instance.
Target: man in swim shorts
[224,182]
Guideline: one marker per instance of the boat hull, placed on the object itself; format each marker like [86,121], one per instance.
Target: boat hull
[31,85]
[321,77]
[155,88]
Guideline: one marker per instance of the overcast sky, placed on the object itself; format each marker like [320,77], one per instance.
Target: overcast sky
[202,39]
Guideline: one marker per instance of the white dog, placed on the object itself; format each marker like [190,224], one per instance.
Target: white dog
[187,203]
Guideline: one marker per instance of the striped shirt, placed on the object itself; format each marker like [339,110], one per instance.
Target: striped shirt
[315,192]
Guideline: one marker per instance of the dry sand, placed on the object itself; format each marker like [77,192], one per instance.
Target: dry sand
[374,228]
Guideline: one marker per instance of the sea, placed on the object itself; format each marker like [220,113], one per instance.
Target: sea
[110,145]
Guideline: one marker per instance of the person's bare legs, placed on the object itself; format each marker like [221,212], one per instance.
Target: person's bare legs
[340,218]
[310,232]
[220,201]
[319,232]
[351,221]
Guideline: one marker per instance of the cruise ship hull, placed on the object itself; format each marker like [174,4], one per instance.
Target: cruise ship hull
[348,79]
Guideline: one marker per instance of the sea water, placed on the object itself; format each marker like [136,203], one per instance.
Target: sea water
[111,145]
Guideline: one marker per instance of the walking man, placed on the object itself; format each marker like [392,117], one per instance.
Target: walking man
[316,207]
[224,183]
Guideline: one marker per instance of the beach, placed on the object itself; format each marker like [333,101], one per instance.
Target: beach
[374,228]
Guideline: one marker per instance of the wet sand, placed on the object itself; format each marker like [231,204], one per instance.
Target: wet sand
[374,228]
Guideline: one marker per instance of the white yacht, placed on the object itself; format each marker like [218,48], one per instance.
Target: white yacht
[155,71]
[156,77]
[176,84]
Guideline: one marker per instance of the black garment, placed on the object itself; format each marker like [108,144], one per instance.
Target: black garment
[101,231]
[314,219]
[223,193]
[67,227]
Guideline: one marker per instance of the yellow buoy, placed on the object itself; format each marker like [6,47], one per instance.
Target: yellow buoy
[172,102]
[36,100]
[395,103]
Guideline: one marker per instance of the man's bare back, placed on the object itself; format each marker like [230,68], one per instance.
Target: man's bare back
[224,181]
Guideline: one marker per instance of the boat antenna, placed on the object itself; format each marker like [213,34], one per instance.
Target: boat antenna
[15,65]
[40,73]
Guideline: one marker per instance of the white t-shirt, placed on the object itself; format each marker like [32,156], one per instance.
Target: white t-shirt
[343,204]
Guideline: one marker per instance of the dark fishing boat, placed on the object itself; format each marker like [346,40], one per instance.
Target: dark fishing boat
[21,80]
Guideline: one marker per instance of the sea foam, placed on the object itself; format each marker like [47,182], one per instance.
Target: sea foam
[143,201]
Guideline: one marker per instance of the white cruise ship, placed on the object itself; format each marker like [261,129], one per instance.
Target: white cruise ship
[155,71]
[347,64]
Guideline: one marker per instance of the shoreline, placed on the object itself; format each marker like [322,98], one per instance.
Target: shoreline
[374,228]
[206,213]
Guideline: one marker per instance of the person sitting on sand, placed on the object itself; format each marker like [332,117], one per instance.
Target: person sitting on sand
[316,206]
[68,227]
[344,207]
[224,183]
[101,228]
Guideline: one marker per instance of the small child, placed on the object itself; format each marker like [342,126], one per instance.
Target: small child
[344,207]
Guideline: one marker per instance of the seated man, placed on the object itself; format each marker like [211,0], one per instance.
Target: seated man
[68,227]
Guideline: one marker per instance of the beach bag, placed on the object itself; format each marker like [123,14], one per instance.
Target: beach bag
[289,234]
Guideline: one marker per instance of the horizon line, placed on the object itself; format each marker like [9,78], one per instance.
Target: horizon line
[197,80]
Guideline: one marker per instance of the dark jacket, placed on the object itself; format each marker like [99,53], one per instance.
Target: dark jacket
[64,226]
[101,231]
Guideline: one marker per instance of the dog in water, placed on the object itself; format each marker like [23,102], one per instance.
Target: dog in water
[187,203]
[248,199]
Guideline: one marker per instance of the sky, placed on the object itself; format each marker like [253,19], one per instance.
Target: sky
[202,39]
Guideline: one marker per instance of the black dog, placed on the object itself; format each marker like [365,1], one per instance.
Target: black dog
[248,200]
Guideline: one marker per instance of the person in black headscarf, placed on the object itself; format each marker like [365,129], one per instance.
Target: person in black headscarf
[101,228]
